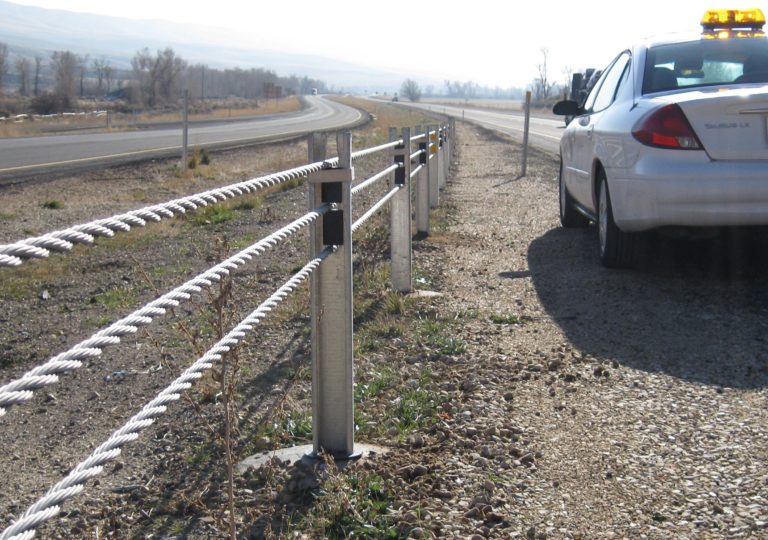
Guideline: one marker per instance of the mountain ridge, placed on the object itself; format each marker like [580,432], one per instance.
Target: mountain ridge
[29,30]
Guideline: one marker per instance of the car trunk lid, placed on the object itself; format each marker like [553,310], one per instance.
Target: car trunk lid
[732,124]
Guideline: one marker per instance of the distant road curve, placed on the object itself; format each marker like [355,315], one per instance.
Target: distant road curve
[544,133]
[21,157]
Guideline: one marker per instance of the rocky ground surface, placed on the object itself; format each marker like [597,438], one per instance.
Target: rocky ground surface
[564,401]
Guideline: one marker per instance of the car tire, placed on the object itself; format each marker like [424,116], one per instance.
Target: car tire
[617,248]
[570,218]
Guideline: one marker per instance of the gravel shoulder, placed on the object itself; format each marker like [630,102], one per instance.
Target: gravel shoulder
[581,402]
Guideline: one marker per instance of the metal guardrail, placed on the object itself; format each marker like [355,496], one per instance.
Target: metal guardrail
[329,270]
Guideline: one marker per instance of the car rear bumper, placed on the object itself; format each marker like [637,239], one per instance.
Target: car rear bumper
[702,193]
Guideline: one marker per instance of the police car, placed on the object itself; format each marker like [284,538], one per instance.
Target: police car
[675,133]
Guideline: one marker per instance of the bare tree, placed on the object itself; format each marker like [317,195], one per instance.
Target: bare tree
[82,67]
[109,75]
[541,85]
[64,65]
[3,63]
[567,78]
[38,66]
[158,76]
[23,69]
[169,68]
[411,90]
[99,68]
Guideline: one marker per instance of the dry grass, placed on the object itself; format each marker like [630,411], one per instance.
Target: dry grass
[385,116]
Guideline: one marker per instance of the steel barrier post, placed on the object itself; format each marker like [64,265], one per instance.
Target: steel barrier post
[331,308]
[422,187]
[440,160]
[434,184]
[452,123]
[526,126]
[400,216]
[446,152]
[317,150]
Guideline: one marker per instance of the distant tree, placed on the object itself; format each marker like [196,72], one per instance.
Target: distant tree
[567,77]
[38,66]
[542,87]
[99,68]
[64,65]
[3,63]
[23,69]
[158,76]
[109,75]
[411,90]
[82,67]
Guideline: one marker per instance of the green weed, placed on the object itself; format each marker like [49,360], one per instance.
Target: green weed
[505,319]
[116,298]
[213,215]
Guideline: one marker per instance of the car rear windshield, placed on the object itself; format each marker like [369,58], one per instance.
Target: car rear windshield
[706,62]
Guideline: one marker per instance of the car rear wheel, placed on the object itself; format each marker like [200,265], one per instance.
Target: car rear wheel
[569,216]
[617,248]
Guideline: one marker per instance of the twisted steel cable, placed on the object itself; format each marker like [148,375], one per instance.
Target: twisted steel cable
[40,247]
[21,390]
[375,208]
[368,151]
[48,506]
[375,178]
[63,240]
[417,153]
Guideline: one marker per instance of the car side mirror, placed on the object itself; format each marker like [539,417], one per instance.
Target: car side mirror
[567,108]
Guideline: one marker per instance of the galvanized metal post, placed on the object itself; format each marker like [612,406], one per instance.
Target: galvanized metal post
[331,309]
[440,160]
[434,183]
[400,217]
[317,150]
[446,152]
[422,187]
[185,133]
[452,123]
[525,131]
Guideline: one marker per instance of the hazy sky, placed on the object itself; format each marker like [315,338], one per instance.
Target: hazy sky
[496,43]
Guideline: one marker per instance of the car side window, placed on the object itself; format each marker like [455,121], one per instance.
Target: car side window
[606,91]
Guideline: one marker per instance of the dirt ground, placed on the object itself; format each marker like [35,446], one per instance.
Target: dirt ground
[571,401]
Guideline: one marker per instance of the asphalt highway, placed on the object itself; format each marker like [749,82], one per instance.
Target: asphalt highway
[543,133]
[34,155]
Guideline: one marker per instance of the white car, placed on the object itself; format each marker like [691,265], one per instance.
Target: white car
[675,133]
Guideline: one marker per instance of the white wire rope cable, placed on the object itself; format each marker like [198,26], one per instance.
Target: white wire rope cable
[368,151]
[416,154]
[21,389]
[48,506]
[63,240]
[373,209]
[39,247]
[375,178]
[415,171]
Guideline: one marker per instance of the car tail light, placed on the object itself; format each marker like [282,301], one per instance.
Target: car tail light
[667,127]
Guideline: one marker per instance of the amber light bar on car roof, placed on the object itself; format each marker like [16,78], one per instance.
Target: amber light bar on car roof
[727,23]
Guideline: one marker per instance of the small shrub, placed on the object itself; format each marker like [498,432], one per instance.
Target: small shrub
[53,205]
[205,158]
[194,159]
